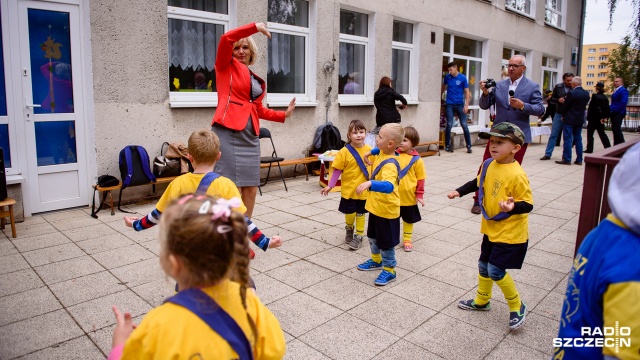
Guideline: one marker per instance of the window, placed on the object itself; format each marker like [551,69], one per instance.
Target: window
[591,58]
[589,83]
[354,77]
[592,51]
[467,53]
[553,13]
[602,74]
[195,27]
[508,53]
[590,67]
[403,59]
[602,66]
[549,73]
[603,58]
[7,123]
[288,53]
[590,75]
[521,6]
[604,49]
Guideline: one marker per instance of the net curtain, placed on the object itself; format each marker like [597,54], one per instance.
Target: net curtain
[193,44]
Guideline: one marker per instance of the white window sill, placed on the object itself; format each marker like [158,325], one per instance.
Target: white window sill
[409,102]
[472,129]
[554,27]
[15,179]
[282,104]
[192,104]
[355,103]
[518,12]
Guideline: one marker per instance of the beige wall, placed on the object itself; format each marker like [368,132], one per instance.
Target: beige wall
[584,70]
[130,71]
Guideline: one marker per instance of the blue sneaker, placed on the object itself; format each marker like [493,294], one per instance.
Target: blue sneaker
[384,278]
[369,265]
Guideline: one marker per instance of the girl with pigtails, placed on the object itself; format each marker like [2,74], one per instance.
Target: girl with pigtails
[204,248]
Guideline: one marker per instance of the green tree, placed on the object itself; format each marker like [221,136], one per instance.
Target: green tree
[623,63]
[632,42]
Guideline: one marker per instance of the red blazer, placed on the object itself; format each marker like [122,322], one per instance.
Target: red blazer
[233,82]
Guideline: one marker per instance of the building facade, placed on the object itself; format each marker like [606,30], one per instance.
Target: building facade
[82,78]
[594,65]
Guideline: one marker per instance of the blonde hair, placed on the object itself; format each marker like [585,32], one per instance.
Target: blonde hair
[204,146]
[252,46]
[211,250]
[395,131]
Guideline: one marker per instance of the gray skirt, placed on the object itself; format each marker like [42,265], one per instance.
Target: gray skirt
[240,160]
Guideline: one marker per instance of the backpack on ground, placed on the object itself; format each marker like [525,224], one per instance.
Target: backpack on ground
[134,168]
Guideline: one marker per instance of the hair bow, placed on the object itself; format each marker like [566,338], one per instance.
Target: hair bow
[222,208]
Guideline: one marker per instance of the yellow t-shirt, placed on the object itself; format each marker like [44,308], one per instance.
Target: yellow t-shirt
[385,205]
[171,331]
[409,182]
[352,176]
[502,181]
[185,184]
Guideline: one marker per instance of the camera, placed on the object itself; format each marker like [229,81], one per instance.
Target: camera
[489,83]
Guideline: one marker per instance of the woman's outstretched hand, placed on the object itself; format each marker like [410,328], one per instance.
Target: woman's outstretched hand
[262,27]
[292,105]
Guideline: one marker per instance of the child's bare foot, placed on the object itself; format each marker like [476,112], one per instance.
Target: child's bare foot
[275,242]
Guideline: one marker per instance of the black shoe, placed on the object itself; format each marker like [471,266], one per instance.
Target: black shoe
[562,162]
[545,158]
[448,150]
[516,318]
[469,150]
[588,152]
[579,163]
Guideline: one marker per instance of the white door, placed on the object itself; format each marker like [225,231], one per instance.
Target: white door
[52,105]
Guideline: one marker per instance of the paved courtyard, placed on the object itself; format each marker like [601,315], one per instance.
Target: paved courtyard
[59,278]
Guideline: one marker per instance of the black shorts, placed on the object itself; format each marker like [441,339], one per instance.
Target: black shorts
[504,256]
[350,206]
[385,231]
[410,214]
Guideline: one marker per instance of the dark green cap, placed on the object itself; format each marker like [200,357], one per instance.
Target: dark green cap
[505,130]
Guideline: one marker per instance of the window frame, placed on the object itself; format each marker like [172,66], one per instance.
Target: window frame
[589,83]
[505,62]
[308,98]
[532,9]
[591,75]
[603,58]
[592,51]
[561,14]
[369,42]
[591,58]
[412,96]
[591,67]
[604,50]
[553,70]
[10,119]
[196,99]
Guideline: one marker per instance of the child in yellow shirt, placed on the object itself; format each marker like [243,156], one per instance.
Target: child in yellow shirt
[383,204]
[350,164]
[204,247]
[412,176]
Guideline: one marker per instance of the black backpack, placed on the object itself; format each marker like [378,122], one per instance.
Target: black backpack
[134,169]
[330,138]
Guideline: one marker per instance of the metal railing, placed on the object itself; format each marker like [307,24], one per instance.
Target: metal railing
[595,205]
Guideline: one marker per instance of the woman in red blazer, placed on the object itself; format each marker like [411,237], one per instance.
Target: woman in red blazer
[236,120]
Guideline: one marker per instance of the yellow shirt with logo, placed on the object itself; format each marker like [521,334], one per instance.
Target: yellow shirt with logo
[409,182]
[380,204]
[352,176]
[171,331]
[185,184]
[503,181]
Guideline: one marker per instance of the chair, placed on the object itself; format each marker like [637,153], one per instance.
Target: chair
[8,202]
[274,158]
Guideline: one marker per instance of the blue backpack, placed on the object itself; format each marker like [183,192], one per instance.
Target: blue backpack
[134,168]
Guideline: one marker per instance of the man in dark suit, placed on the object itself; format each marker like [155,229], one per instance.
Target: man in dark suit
[560,91]
[516,109]
[597,114]
[575,104]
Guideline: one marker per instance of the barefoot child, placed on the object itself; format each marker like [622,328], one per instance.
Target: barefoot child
[349,163]
[412,175]
[505,202]
[204,247]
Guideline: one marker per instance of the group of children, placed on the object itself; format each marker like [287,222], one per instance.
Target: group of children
[203,244]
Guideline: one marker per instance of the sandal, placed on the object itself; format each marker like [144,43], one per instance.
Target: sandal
[408,247]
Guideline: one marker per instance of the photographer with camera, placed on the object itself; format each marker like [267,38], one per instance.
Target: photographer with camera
[515,99]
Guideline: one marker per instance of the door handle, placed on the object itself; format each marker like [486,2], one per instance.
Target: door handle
[33,105]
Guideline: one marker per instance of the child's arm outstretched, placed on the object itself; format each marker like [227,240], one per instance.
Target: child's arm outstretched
[149,221]
[258,238]
[332,182]
[375,151]
[471,186]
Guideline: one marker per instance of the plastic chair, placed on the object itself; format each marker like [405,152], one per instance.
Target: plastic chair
[274,158]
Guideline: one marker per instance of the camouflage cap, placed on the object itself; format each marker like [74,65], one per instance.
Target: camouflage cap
[505,130]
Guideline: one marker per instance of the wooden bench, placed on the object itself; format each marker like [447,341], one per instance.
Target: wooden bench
[104,191]
[428,144]
[295,163]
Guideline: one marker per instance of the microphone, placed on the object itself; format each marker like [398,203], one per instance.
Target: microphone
[511,95]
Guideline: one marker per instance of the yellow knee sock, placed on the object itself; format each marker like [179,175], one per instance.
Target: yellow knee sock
[508,287]
[407,232]
[389,269]
[359,224]
[377,258]
[483,294]
[349,219]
